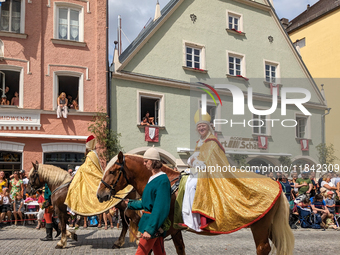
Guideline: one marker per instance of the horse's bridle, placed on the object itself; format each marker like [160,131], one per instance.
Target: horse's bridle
[121,170]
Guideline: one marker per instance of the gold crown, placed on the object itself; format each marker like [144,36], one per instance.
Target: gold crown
[199,118]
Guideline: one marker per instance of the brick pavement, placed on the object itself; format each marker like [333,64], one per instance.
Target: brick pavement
[25,240]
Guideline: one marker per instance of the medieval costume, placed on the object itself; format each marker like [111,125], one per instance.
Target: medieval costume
[222,201]
[155,204]
[82,193]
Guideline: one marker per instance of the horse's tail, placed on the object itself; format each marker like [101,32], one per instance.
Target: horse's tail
[281,233]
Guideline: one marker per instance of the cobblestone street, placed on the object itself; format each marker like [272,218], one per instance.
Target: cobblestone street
[25,240]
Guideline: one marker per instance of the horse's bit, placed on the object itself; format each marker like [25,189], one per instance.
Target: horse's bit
[121,170]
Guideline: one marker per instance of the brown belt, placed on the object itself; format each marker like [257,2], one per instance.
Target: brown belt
[146,212]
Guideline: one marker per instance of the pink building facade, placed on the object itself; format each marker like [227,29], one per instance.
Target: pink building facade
[48,47]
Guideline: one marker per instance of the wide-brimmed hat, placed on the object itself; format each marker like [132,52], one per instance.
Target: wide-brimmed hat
[152,154]
[323,190]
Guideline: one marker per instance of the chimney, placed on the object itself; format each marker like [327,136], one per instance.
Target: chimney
[308,6]
[116,62]
[157,12]
[284,22]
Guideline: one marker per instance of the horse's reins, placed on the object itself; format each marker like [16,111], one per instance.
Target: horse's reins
[121,170]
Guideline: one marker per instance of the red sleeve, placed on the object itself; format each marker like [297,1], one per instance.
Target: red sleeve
[41,199]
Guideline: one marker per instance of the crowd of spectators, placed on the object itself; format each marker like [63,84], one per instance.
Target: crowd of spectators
[9,99]
[318,197]
[15,204]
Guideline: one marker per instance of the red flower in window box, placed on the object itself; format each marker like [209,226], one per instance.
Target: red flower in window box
[242,77]
[198,69]
[240,32]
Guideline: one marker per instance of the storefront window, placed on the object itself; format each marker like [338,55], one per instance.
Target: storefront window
[9,162]
[64,160]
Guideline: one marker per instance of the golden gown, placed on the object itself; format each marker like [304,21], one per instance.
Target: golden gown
[230,201]
[82,193]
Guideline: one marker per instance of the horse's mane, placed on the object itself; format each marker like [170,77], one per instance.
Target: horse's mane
[52,175]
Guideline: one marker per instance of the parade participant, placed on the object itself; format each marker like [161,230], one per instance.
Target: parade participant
[82,193]
[155,204]
[222,201]
[48,215]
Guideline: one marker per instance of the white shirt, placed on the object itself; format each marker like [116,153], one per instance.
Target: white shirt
[25,181]
[155,176]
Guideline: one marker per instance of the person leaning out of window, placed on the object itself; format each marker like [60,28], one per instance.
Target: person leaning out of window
[155,205]
[62,109]
[4,100]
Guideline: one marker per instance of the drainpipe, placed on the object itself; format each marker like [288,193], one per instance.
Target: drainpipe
[323,118]
[108,85]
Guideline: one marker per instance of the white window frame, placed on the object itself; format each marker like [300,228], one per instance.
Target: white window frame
[266,123]
[22,19]
[277,70]
[217,112]
[57,6]
[21,80]
[147,94]
[235,15]
[307,126]
[201,47]
[243,62]
[80,88]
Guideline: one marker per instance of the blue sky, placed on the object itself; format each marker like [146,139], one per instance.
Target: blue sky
[136,13]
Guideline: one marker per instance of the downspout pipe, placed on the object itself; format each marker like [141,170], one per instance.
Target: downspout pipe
[323,135]
[108,78]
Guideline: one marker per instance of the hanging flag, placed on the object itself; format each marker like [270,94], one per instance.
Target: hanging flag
[304,144]
[262,142]
[151,134]
[274,85]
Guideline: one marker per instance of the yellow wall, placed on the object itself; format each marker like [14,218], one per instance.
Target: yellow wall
[322,58]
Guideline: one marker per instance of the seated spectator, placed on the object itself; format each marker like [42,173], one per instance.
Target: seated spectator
[319,207]
[145,122]
[62,109]
[313,179]
[70,101]
[305,204]
[294,184]
[149,119]
[6,201]
[18,208]
[74,105]
[304,184]
[15,99]
[4,100]
[30,208]
[329,185]
[41,212]
[330,203]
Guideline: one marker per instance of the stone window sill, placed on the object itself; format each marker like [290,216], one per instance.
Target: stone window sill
[67,42]
[233,31]
[142,127]
[239,77]
[195,69]
[13,35]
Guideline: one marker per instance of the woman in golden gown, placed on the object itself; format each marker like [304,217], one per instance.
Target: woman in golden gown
[224,201]
[82,194]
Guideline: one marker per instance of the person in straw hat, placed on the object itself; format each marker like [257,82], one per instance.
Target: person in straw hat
[82,193]
[221,201]
[155,204]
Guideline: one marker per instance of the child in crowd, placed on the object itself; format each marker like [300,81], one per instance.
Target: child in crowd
[30,208]
[5,201]
[18,207]
[305,204]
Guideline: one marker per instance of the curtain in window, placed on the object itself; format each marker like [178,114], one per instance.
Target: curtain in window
[16,9]
[63,23]
[74,25]
[4,16]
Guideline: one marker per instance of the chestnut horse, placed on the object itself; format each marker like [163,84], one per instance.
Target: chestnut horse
[58,181]
[273,225]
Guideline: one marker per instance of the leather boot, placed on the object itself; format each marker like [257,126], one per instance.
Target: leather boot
[56,227]
[49,231]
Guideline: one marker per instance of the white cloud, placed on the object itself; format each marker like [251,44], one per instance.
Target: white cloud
[136,13]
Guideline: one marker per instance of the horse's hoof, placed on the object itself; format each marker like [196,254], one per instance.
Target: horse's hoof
[116,246]
[58,247]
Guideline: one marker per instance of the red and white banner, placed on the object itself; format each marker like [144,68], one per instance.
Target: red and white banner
[304,144]
[274,85]
[262,142]
[151,134]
